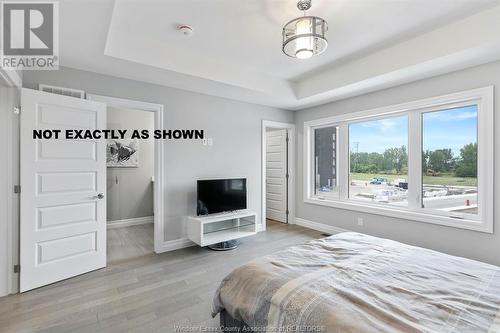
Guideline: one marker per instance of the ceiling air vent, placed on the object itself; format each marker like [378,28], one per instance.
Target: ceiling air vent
[62,91]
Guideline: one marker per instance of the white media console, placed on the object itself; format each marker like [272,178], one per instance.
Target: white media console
[215,228]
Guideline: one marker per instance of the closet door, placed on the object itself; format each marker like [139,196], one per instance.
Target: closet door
[276,175]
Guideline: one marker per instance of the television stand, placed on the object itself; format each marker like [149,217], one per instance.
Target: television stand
[220,231]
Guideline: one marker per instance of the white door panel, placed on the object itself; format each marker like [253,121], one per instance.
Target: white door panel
[275,166]
[67,150]
[275,157]
[63,223]
[274,197]
[275,180]
[275,189]
[273,174]
[276,185]
[274,204]
[66,215]
[61,117]
[274,140]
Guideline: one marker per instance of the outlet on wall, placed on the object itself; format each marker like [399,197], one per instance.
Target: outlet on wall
[360,221]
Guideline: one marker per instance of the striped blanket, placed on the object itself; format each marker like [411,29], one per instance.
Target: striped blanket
[352,282]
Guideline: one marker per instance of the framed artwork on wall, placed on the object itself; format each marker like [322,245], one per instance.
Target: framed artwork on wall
[122,153]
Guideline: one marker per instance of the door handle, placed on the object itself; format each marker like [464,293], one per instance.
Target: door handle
[100,196]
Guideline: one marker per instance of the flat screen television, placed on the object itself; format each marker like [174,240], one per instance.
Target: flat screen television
[221,195]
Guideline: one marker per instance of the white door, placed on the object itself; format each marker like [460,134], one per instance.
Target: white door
[276,175]
[63,183]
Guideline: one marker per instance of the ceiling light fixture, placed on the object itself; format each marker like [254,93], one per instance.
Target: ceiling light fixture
[304,36]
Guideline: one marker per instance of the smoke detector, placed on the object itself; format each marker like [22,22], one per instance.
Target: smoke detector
[186,30]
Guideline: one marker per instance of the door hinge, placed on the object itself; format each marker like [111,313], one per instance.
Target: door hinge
[287,175]
[17,189]
[17,268]
[287,212]
[17,110]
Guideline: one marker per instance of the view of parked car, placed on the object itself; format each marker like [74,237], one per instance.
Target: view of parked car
[378,180]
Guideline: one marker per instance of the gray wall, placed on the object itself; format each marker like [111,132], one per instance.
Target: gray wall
[234,126]
[129,191]
[471,244]
[236,129]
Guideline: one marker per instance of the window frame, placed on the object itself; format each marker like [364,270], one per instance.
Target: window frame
[482,97]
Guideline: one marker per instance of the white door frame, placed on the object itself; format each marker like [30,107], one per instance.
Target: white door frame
[291,168]
[159,149]
[10,79]
[9,98]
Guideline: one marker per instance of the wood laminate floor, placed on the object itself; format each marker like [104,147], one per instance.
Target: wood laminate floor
[151,293]
[130,242]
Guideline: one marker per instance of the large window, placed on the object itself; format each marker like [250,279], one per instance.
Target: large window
[428,160]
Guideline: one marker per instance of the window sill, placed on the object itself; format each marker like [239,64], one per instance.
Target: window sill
[468,224]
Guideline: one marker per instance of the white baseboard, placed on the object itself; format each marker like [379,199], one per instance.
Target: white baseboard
[130,222]
[175,244]
[329,229]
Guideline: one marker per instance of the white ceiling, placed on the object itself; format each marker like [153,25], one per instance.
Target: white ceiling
[235,50]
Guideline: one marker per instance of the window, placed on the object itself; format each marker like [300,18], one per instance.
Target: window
[325,162]
[449,160]
[379,161]
[429,160]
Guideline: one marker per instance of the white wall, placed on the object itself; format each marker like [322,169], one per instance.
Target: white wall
[132,197]
[471,244]
[234,126]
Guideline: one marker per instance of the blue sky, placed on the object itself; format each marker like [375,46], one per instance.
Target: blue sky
[452,128]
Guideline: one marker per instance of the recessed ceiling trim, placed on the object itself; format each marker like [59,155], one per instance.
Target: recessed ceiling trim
[257,77]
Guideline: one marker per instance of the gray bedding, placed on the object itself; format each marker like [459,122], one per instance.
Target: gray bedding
[352,282]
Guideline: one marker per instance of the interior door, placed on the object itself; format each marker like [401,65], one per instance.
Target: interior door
[276,175]
[63,183]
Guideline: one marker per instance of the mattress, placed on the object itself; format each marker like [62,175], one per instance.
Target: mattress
[352,282]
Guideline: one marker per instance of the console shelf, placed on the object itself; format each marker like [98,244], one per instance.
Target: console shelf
[216,228]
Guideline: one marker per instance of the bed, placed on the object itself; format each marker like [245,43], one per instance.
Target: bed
[352,282]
